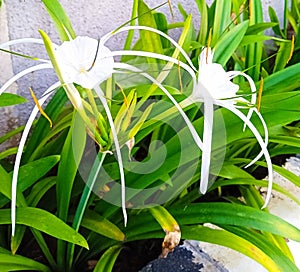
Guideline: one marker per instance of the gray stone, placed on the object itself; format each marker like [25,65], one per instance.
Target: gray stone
[186,258]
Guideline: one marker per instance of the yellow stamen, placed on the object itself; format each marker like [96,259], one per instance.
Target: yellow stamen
[208,43]
[292,49]
[171,9]
[261,86]
[95,58]
[36,101]
[124,95]
[125,102]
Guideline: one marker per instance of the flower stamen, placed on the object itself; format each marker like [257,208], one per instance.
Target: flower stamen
[36,102]
[96,54]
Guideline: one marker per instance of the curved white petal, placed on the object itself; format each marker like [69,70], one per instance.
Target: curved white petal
[106,37]
[155,56]
[207,142]
[20,151]
[216,81]
[266,132]
[23,73]
[6,45]
[118,150]
[260,141]
[186,119]
[233,74]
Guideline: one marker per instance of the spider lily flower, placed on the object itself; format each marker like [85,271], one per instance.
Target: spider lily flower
[87,62]
[84,61]
[214,87]
[70,57]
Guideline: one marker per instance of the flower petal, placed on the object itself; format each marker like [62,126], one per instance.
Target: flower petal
[106,37]
[260,141]
[207,141]
[266,138]
[21,41]
[24,136]
[81,61]
[23,73]
[233,74]
[216,81]
[155,56]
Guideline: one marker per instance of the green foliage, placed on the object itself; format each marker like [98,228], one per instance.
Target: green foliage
[76,215]
[8,99]
[11,262]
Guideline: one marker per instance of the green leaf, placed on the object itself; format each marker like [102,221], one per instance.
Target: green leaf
[254,51]
[28,175]
[8,152]
[230,240]
[250,39]
[5,189]
[67,169]
[283,55]
[95,222]
[33,171]
[164,218]
[60,18]
[270,247]
[252,181]
[70,158]
[277,82]
[9,262]
[39,190]
[274,19]
[285,140]
[222,20]
[42,127]
[11,133]
[151,41]
[108,259]
[46,222]
[259,27]
[202,7]
[8,99]
[229,42]
[162,25]
[237,215]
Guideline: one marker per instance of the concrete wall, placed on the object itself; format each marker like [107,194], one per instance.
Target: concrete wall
[23,18]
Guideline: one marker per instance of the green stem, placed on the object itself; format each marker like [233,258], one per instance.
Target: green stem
[285,20]
[83,203]
[176,25]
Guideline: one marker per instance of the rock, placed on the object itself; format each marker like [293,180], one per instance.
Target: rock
[186,258]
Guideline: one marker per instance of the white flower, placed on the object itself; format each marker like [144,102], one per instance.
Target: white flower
[213,78]
[214,87]
[84,61]
[87,62]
